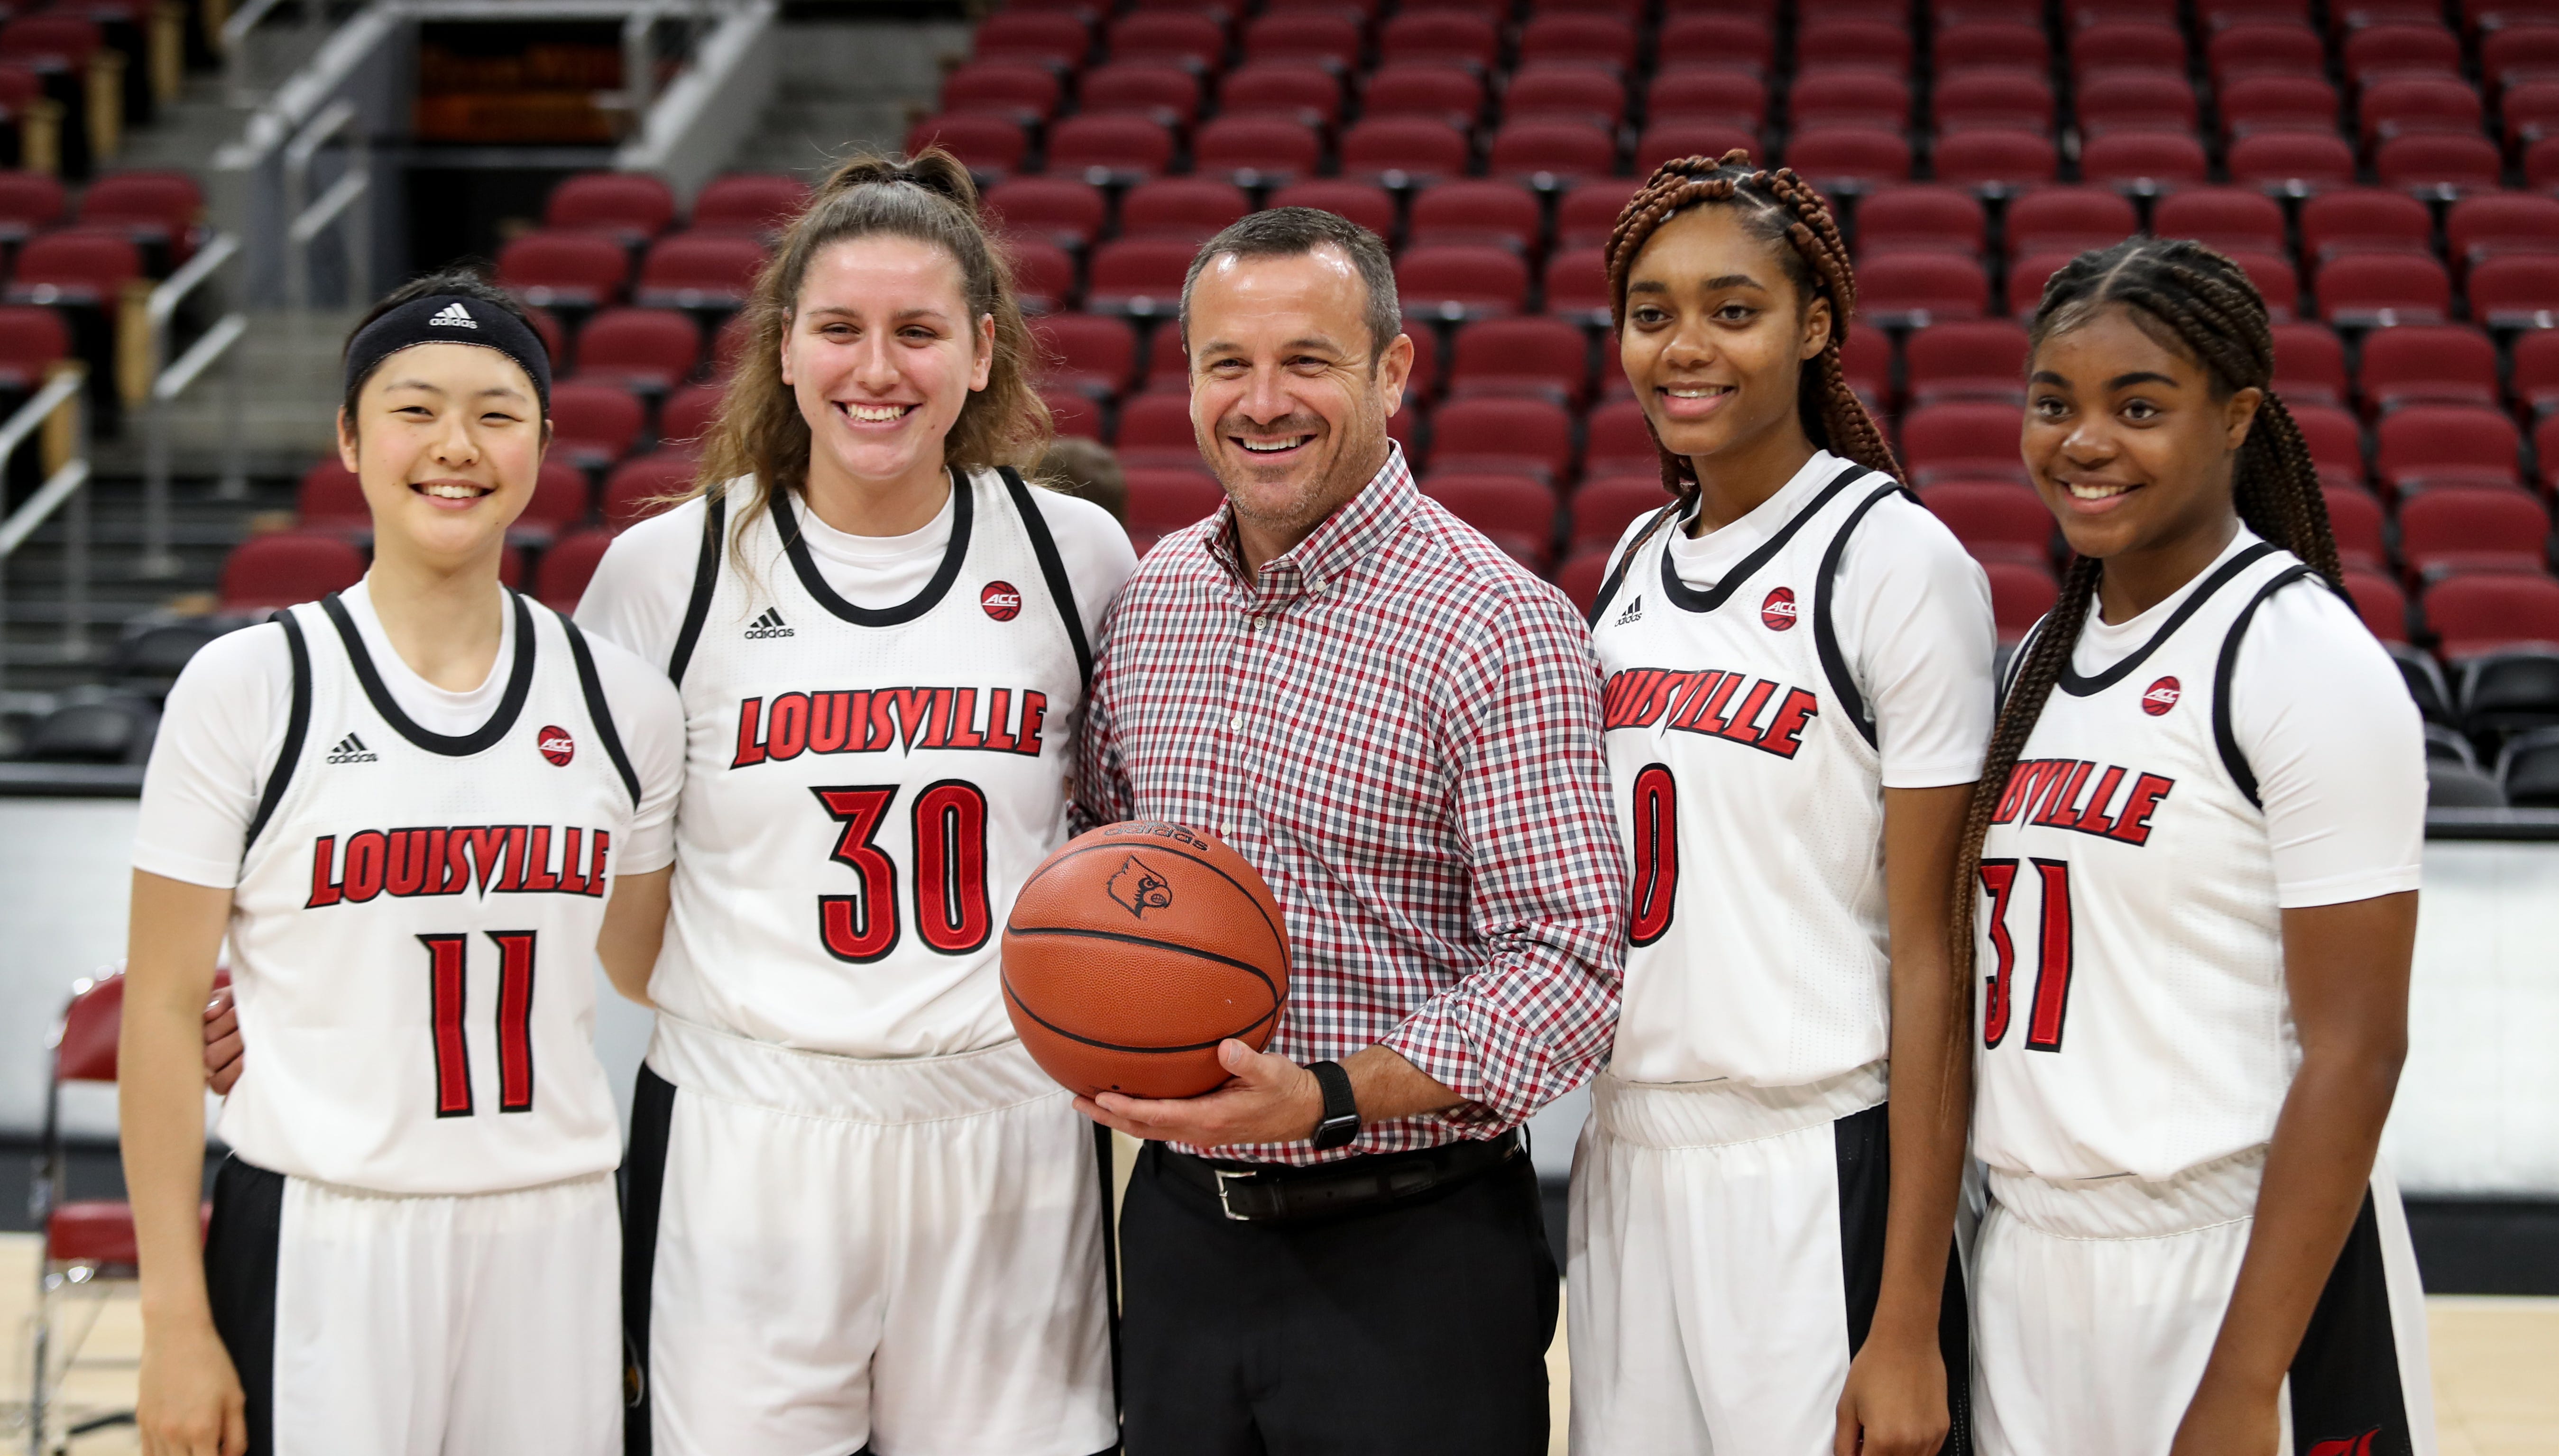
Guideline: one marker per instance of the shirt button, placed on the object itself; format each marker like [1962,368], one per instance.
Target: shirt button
[1226,831]
[1235,722]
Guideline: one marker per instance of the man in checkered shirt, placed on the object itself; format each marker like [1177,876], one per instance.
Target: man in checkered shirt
[1341,1250]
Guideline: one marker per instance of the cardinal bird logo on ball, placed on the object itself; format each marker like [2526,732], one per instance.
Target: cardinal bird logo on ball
[1140,889]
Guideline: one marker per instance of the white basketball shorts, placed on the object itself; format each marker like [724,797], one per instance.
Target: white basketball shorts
[826,1254]
[397,1325]
[1726,1248]
[2096,1306]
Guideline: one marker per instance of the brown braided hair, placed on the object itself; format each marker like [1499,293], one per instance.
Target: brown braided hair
[1777,207]
[2195,301]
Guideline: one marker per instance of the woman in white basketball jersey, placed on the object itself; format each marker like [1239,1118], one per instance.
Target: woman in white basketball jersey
[2195,854]
[859,1213]
[1798,662]
[412,809]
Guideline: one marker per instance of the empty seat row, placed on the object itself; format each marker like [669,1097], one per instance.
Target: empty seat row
[581,269]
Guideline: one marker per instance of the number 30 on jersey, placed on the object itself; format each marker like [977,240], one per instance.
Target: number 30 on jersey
[949,873]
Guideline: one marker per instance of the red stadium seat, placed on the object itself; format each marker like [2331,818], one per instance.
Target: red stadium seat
[1551,154]
[1058,41]
[1581,576]
[1164,92]
[1022,92]
[1288,90]
[1424,380]
[709,270]
[2365,220]
[1450,37]
[2143,160]
[1403,151]
[1533,355]
[1841,97]
[2375,52]
[1156,431]
[2068,221]
[558,502]
[1920,218]
[1619,442]
[1915,289]
[1139,276]
[1588,214]
[575,270]
[1043,274]
[1865,361]
[1429,90]
[2221,217]
[1106,149]
[2447,444]
[594,425]
[631,206]
[29,201]
[1997,521]
[1089,353]
[2488,224]
[1477,211]
[1604,508]
[2428,364]
[1503,436]
[2335,443]
[156,209]
[286,567]
[2439,164]
[1849,158]
[1192,208]
[750,201]
[2027,277]
[2020,593]
[2380,602]
[2009,100]
[1370,207]
[2359,290]
[2276,281]
[1990,46]
[1665,141]
[645,485]
[1854,42]
[1192,40]
[990,145]
[2405,104]
[2137,100]
[1578,39]
[1714,40]
[1072,415]
[2297,162]
[2354,518]
[560,577]
[689,414]
[1513,513]
[1326,39]
[1461,282]
[2535,383]
[2513,54]
[2309,364]
[2480,614]
[1576,284]
[1976,359]
[2278,102]
[332,499]
[1996,159]
[2519,292]
[2127,46]
[2456,531]
[30,340]
[1730,96]
[1567,91]
[1961,441]
[2239,52]
[1165,499]
[1067,212]
[652,349]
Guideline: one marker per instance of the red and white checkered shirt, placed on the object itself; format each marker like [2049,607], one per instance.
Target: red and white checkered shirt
[1399,726]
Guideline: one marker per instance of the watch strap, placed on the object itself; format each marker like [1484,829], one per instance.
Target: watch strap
[1340,1124]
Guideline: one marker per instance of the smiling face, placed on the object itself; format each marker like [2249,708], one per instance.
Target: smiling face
[881,352]
[1289,399]
[447,440]
[1716,340]
[2129,447]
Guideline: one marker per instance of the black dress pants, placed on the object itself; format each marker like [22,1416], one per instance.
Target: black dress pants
[1416,1329]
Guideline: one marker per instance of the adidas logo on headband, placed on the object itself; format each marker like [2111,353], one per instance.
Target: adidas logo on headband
[453,316]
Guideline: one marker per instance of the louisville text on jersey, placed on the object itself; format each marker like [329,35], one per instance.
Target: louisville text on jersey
[500,859]
[875,720]
[1755,712]
[2073,794]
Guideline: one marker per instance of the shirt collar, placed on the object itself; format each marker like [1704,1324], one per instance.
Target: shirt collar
[1350,534]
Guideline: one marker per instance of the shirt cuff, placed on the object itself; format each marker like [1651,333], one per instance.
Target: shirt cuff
[212,874]
[1933,773]
[2349,888]
[1441,1046]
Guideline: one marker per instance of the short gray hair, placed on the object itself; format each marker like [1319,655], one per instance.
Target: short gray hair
[1288,232]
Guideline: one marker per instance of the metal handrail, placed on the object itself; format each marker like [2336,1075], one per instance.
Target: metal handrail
[310,219]
[169,381]
[66,487]
[235,32]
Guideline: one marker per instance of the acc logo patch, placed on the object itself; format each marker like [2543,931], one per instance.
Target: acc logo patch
[2161,696]
[1140,889]
[556,745]
[1002,601]
[2347,1446]
[1778,613]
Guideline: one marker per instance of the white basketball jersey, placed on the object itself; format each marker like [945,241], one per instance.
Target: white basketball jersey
[415,922]
[2132,1009]
[1751,797]
[867,788]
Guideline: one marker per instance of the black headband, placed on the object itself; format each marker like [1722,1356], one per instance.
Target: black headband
[450,318]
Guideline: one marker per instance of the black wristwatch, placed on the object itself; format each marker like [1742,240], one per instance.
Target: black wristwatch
[1340,1124]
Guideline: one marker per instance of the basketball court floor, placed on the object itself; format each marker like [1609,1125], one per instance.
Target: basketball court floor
[2496,1368]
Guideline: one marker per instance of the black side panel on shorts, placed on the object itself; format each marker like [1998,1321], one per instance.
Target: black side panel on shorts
[297,725]
[1864,1143]
[643,1175]
[698,607]
[240,1283]
[2347,1397]
[1102,1152]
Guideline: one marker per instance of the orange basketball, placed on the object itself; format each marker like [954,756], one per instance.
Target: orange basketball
[1133,951]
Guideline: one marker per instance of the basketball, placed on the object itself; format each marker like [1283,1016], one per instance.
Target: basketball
[1133,951]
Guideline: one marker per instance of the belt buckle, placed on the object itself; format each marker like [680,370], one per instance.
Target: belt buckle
[1223,1177]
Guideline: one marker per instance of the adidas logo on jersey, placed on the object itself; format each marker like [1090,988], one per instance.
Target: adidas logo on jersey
[768,625]
[453,316]
[350,750]
[1634,613]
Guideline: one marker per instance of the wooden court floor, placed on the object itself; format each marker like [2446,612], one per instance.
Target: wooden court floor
[2496,1368]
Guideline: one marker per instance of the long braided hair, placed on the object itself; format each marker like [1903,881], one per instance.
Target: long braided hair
[2199,303]
[1777,207]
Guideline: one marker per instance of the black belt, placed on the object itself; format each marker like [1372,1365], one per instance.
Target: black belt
[1273,1193]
